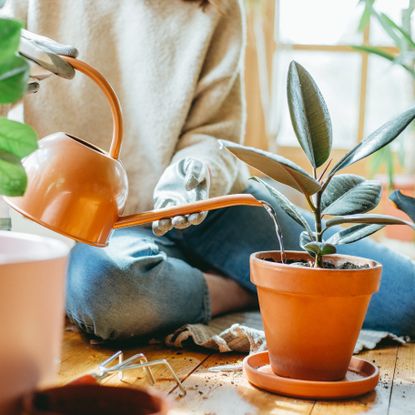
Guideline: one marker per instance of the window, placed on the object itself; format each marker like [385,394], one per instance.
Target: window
[361,91]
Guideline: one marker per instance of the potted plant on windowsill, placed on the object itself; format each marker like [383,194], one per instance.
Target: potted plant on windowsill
[313,303]
[32,268]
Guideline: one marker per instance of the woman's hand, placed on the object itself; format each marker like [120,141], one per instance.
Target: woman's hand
[43,54]
[184,182]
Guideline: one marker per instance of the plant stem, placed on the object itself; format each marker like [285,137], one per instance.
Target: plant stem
[318,262]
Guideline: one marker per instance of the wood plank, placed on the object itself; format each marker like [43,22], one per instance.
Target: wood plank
[227,393]
[403,388]
[80,357]
[374,403]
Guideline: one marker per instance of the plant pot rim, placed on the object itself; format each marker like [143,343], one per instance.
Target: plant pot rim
[325,282]
[150,395]
[47,248]
[260,255]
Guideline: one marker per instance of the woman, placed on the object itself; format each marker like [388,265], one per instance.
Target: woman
[176,66]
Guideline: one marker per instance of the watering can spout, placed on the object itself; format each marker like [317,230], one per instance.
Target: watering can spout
[200,206]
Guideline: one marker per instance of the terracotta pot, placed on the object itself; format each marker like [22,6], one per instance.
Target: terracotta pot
[32,288]
[96,400]
[312,317]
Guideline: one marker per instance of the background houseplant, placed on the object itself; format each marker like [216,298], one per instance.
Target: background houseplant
[32,269]
[400,34]
[322,303]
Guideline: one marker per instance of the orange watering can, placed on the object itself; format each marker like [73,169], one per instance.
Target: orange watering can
[79,190]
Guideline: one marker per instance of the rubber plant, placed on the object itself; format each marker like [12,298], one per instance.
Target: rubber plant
[313,303]
[17,140]
[334,199]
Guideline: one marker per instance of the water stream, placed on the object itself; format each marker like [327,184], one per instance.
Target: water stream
[271,212]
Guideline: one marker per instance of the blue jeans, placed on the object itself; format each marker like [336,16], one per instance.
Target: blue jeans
[142,284]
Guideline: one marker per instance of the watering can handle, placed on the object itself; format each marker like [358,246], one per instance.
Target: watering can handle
[104,85]
[153,215]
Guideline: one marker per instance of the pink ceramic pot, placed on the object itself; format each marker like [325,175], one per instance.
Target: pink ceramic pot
[32,291]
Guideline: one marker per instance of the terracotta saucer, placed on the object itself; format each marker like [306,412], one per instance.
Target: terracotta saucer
[362,377]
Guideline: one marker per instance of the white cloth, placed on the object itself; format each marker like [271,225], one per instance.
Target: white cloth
[175,68]
[243,332]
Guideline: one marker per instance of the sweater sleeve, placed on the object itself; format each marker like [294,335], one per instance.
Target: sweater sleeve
[218,108]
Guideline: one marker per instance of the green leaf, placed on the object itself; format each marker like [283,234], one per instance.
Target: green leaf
[389,27]
[9,38]
[276,167]
[367,12]
[288,207]
[17,138]
[404,203]
[388,23]
[305,239]
[377,140]
[383,54]
[309,115]
[353,234]
[14,74]
[375,51]
[348,194]
[319,248]
[371,218]
[13,178]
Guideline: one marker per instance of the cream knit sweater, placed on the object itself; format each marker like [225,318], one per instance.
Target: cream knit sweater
[176,70]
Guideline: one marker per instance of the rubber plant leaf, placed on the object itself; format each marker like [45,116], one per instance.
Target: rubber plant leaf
[377,140]
[319,248]
[305,239]
[368,218]
[17,138]
[276,167]
[353,234]
[13,178]
[9,38]
[14,75]
[348,194]
[286,205]
[404,203]
[309,115]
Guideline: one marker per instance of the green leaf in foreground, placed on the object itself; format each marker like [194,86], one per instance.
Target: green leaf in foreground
[309,115]
[353,234]
[9,38]
[276,167]
[14,75]
[13,179]
[349,194]
[17,138]
[286,205]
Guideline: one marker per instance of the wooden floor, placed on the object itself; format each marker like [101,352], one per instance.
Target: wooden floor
[230,394]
